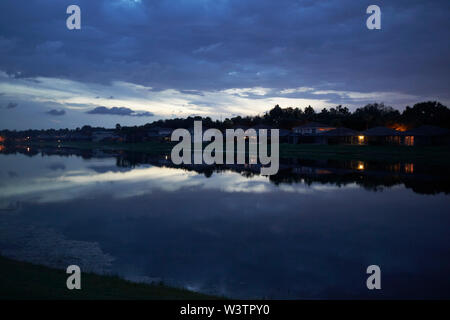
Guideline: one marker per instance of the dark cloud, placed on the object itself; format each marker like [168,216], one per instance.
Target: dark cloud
[13,174]
[119,111]
[191,45]
[11,105]
[55,112]
[57,166]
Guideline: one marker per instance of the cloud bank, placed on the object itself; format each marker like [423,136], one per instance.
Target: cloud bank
[55,112]
[217,58]
[119,111]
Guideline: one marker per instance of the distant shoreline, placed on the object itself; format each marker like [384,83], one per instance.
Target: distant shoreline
[432,155]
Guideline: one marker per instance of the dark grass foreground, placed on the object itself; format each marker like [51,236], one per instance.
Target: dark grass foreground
[25,281]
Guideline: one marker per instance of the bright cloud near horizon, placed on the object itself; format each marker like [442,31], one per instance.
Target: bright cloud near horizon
[137,61]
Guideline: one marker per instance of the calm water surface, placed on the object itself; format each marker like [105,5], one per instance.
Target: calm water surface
[230,233]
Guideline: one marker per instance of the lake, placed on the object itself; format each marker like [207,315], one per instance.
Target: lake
[309,232]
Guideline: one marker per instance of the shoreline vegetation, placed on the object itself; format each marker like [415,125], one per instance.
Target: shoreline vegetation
[27,281]
[432,155]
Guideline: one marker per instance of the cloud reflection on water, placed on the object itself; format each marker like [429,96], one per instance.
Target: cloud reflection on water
[83,180]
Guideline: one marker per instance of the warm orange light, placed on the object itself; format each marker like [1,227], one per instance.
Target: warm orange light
[360,166]
[2,147]
[398,127]
[2,139]
[361,139]
[409,167]
[409,140]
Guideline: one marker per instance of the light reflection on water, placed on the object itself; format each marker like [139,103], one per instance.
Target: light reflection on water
[230,234]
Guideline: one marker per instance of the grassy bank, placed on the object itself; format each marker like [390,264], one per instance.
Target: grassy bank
[147,147]
[434,155]
[21,280]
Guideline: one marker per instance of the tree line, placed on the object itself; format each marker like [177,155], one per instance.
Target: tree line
[371,115]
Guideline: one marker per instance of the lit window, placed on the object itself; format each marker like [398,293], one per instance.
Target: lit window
[361,139]
[409,140]
[360,165]
[409,167]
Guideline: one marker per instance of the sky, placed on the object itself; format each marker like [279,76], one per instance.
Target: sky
[137,61]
